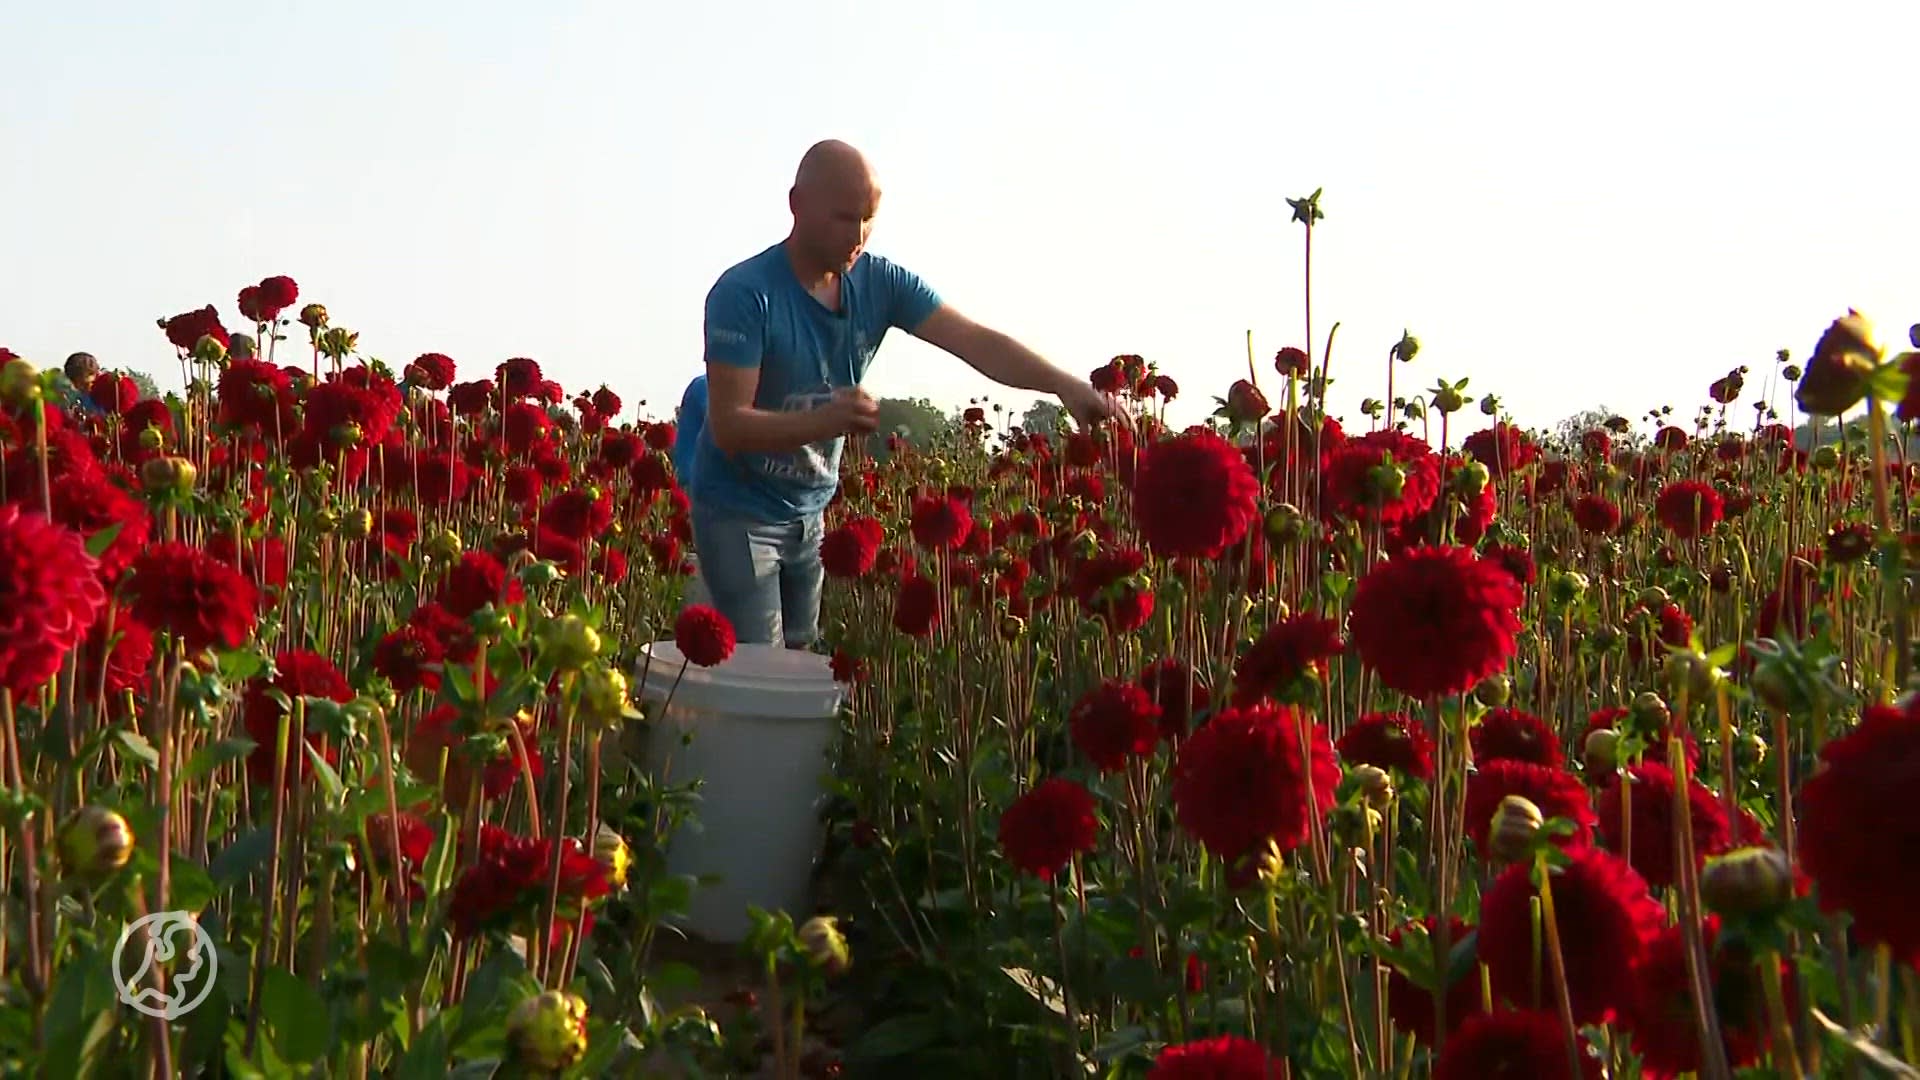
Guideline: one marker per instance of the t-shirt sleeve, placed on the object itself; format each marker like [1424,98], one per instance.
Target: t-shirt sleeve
[910,298]
[736,324]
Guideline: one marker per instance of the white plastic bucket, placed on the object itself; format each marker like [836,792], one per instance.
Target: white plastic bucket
[761,725]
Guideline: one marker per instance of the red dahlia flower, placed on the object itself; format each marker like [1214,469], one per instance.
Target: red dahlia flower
[1047,826]
[1649,806]
[187,592]
[1517,736]
[1660,1016]
[1557,792]
[1689,508]
[1410,1006]
[50,594]
[1223,1057]
[1388,741]
[704,635]
[1242,778]
[1435,620]
[1113,721]
[1507,1043]
[1194,496]
[1859,838]
[1606,920]
[298,673]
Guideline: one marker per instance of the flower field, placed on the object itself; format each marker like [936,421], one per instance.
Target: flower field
[1411,744]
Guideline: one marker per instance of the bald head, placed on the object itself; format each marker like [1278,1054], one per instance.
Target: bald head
[834,199]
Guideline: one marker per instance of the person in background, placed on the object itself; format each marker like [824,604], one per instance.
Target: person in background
[687,424]
[81,370]
[790,333]
[240,347]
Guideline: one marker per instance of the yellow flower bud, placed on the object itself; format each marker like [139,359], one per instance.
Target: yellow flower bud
[548,1032]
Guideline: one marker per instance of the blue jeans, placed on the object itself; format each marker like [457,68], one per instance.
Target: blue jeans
[765,577]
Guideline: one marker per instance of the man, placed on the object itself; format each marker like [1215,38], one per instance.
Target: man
[789,335]
[82,369]
[688,422]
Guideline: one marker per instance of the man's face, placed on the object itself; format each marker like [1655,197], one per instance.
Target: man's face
[837,220]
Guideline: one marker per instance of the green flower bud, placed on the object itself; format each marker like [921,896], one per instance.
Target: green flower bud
[357,524]
[1746,881]
[570,642]
[825,945]
[1514,826]
[548,1032]
[94,842]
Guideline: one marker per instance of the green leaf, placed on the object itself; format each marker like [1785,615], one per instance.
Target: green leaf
[99,542]
[191,888]
[238,859]
[137,746]
[302,1025]
[329,779]
[80,1014]
[427,1058]
[208,759]
[897,1036]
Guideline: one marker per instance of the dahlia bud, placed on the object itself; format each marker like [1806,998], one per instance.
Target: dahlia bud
[152,438]
[603,695]
[1649,711]
[1290,362]
[357,524]
[1376,785]
[1842,364]
[1286,525]
[1245,402]
[1699,675]
[313,316]
[1448,400]
[168,474]
[209,350]
[826,946]
[1602,751]
[348,435]
[1356,824]
[1825,458]
[1471,479]
[1407,348]
[548,1032]
[1751,749]
[338,341]
[1493,691]
[1490,406]
[570,642]
[1387,479]
[95,842]
[1653,598]
[489,622]
[1771,684]
[19,383]
[1566,588]
[611,851]
[542,573]
[1746,881]
[1514,825]
[444,545]
[326,521]
[1012,627]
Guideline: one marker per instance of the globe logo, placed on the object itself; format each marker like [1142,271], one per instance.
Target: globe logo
[171,937]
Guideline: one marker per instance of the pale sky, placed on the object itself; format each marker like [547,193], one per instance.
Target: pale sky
[1571,204]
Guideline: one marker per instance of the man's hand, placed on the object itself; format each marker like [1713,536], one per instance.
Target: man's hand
[854,411]
[1089,406]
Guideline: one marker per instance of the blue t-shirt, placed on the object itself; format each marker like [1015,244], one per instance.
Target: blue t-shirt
[686,431]
[760,316]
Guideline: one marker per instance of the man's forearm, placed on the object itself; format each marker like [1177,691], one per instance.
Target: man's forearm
[1010,363]
[762,431]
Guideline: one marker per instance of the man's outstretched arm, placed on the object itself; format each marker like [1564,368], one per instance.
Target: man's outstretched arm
[1000,358]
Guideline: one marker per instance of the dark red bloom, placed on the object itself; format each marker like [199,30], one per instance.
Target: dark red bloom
[431,371]
[126,662]
[1689,508]
[408,657]
[849,551]
[1558,794]
[1289,650]
[1606,920]
[114,394]
[916,607]
[1386,477]
[1660,1016]
[1502,448]
[941,523]
[577,514]
[1516,735]
[1113,721]
[187,592]
[704,635]
[1194,496]
[1435,620]
[50,595]
[1388,741]
[1222,1057]
[475,581]
[1859,838]
[1596,514]
[1047,826]
[186,330]
[1529,1045]
[298,673]
[1242,778]
[1649,806]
